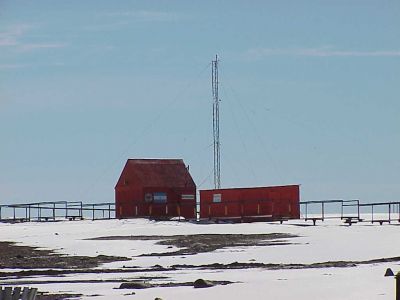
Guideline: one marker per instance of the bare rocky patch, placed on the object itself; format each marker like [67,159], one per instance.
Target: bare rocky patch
[201,243]
[199,283]
[319,265]
[63,296]
[24,257]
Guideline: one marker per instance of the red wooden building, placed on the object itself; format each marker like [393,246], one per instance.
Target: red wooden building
[158,188]
[247,204]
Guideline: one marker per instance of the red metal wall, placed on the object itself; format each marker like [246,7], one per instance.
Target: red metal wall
[131,203]
[273,203]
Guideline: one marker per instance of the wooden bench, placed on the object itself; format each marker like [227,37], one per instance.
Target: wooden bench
[73,218]
[8,293]
[46,219]
[314,220]
[351,220]
[380,221]
[281,220]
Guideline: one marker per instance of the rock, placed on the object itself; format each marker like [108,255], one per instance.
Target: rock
[199,247]
[158,267]
[158,298]
[135,285]
[201,283]
[389,272]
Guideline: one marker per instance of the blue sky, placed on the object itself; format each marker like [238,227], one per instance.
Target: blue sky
[309,94]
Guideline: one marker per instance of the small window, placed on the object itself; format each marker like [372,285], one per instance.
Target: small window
[217,198]
[160,197]
[148,197]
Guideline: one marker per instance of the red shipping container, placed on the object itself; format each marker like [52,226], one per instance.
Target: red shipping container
[246,204]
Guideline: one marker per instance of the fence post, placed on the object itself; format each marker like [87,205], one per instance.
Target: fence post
[341,210]
[397,277]
[372,214]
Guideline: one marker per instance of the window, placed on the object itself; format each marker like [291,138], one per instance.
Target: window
[217,198]
[160,197]
[148,197]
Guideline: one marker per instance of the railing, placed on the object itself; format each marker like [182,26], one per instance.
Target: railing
[323,204]
[106,210]
[281,210]
[393,208]
[391,211]
[55,210]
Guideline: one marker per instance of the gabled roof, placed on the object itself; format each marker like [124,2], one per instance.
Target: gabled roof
[168,173]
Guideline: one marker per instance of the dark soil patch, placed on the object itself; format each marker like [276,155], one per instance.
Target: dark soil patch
[46,296]
[64,272]
[201,243]
[214,266]
[320,265]
[24,257]
[199,283]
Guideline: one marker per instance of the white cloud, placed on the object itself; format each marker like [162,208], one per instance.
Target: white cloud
[28,47]
[10,36]
[13,36]
[259,53]
[145,15]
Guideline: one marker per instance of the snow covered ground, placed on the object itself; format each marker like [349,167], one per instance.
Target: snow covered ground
[330,240]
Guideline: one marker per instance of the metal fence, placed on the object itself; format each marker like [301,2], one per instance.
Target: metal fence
[56,210]
[360,212]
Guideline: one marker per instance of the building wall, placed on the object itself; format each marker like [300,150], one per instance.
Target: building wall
[148,202]
[264,202]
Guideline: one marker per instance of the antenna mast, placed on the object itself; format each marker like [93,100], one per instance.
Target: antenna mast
[217,165]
